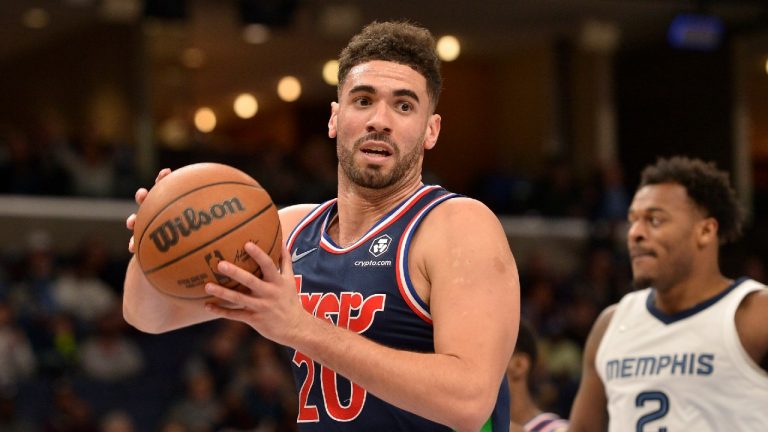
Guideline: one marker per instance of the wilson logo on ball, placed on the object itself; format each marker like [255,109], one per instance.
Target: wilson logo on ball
[167,235]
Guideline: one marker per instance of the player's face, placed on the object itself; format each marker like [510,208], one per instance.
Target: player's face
[383,123]
[661,237]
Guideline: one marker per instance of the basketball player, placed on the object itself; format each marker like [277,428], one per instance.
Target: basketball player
[524,412]
[405,290]
[689,350]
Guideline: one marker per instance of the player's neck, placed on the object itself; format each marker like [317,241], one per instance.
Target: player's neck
[358,209]
[522,409]
[690,292]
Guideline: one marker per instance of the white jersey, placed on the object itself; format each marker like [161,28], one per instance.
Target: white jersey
[681,372]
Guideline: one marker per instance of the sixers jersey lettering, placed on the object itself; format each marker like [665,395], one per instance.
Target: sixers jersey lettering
[365,288]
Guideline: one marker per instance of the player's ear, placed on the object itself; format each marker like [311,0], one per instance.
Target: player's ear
[707,232]
[332,122]
[518,367]
[432,132]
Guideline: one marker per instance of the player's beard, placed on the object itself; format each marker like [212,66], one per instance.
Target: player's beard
[374,176]
[639,283]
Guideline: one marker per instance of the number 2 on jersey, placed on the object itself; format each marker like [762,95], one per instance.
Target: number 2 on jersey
[661,411]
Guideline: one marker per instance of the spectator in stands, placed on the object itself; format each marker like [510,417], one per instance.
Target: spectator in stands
[109,355]
[558,193]
[265,386]
[70,413]
[221,354]
[525,410]
[117,421]
[89,164]
[17,360]
[11,420]
[80,291]
[199,409]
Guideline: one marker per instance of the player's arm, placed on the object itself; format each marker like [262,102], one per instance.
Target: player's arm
[151,311]
[752,326]
[589,411]
[146,308]
[474,302]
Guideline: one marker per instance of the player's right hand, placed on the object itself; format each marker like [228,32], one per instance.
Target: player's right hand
[140,196]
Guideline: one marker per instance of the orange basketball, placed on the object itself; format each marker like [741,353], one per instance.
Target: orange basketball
[195,217]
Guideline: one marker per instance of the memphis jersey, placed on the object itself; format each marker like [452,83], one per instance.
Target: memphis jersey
[682,372]
[365,288]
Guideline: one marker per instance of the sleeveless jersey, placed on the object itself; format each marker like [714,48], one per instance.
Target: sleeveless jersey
[546,422]
[682,372]
[365,288]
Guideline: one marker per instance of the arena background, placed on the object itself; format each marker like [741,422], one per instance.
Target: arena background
[549,113]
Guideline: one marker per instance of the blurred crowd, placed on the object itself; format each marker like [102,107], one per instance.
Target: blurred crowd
[69,362]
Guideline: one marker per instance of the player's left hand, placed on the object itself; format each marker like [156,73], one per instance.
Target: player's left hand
[271,307]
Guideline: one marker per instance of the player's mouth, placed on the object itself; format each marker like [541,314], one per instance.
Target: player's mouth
[637,254]
[376,150]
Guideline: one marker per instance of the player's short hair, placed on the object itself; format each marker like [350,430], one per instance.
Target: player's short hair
[526,342]
[399,42]
[709,188]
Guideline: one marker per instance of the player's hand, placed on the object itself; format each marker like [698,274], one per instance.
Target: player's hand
[140,196]
[271,307]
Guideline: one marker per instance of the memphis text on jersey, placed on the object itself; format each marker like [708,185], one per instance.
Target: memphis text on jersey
[677,364]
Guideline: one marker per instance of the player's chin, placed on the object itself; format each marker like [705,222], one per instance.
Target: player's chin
[641,281]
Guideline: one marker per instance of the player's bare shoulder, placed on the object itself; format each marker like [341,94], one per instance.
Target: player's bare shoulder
[752,325]
[463,226]
[290,216]
[468,216]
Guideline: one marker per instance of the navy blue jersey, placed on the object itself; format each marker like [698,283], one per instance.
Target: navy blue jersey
[365,287]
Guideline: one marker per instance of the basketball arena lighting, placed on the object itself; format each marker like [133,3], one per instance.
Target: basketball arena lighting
[289,88]
[246,106]
[694,31]
[331,72]
[36,18]
[255,34]
[205,119]
[193,58]
[448,48]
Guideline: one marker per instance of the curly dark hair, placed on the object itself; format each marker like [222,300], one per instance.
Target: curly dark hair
[399,42]
[707,186]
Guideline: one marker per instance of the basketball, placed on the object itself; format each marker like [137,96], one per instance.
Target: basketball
[197,216]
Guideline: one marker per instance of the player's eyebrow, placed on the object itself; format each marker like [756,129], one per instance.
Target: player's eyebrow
[365,88]
[408,93]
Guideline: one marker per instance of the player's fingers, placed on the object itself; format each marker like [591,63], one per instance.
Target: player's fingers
[130,221]
[238,274]
[269,270]
[162,174]
[140,195]
[131,245]
[286,265]
[238,314]
[235,298]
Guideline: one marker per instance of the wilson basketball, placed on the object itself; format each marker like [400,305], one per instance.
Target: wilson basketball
[197,216]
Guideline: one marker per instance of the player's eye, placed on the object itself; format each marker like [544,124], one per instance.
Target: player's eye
[362,101]
[404,106]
